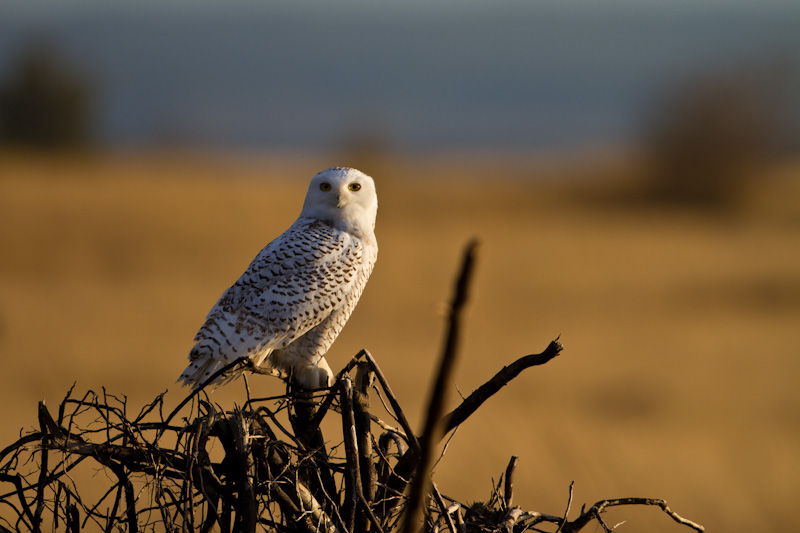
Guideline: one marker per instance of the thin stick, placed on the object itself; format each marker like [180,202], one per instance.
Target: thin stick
[508,491]
[398,411]
[488,389]
[130,499]
[17,481]
[594,512]
[43,471]
[566,511]
[431,431]
[443,508]
[206,383]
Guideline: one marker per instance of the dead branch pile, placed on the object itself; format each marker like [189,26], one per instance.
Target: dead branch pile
[265,465]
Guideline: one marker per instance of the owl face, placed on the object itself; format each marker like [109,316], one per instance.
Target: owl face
[344,197]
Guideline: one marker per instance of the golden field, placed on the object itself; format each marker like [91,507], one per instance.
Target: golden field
[681,331]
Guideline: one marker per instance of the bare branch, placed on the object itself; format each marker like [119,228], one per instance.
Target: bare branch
[398,411]
[488,389]
[437,497]
[241,361]
[363,427]
[245,468]
[594,513]
[130,498]
[432,428]
[508,491]
[566,511]
[352,475]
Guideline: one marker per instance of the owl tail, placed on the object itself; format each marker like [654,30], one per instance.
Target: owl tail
[198,371]
[203,364]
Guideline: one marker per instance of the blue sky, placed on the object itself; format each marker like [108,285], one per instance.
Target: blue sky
[512,74]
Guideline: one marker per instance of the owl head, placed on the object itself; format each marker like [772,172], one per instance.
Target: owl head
[345,198]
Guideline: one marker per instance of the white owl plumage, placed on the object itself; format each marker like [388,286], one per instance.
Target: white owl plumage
[290,304]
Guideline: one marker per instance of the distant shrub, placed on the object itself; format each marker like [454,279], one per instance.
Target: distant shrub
[44,102]
[708,138]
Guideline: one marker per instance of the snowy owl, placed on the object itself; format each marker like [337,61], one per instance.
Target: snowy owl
[293,300]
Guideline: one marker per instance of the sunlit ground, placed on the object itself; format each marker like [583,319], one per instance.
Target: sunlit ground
[681,330]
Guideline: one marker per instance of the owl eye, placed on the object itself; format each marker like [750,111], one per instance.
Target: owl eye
[324,186]
[354,186]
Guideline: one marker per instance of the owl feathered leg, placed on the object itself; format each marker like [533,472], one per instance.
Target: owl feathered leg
[309,373]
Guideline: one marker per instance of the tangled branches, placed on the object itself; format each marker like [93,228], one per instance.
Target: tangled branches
[275,470]
[265,465]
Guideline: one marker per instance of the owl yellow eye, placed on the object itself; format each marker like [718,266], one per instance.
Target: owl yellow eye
[324,186]
[354,186]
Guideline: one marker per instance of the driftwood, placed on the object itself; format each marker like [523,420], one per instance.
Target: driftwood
[267,465]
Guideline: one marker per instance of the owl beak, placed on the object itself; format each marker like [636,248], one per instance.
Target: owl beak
[340,200]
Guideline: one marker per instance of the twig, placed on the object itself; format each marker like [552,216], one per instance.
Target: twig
[267,475]
[43,470]
[566,511]
[130,499]
[437,496]
[21,443]
[206,383]
[371,515]
[398,411]
[431,431]
[508,491]
[444,449]
[488,389]
[316,519]
[73,518]
[17,481]
[510,518]
[595,510]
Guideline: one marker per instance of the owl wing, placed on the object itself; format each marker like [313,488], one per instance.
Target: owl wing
[292,285]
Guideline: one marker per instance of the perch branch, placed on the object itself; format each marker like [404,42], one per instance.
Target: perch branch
[363,426]
[352,474]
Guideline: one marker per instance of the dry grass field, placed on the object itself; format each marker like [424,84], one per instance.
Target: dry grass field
[681,331]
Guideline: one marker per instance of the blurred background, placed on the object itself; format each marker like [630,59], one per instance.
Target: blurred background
[632,169]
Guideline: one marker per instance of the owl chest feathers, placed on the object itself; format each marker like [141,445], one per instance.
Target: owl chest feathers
[299,290]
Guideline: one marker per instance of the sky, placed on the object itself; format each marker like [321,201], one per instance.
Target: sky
[419,75]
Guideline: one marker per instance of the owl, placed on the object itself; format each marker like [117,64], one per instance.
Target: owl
[289,306]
